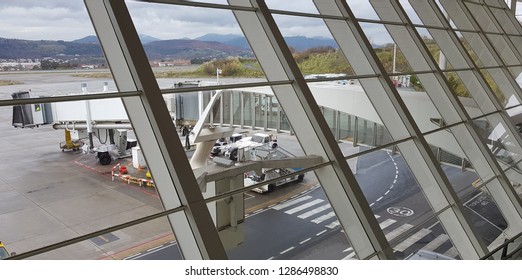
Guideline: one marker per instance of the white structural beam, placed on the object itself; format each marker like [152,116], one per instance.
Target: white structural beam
[175,182]
[507,22]
[450,107]
[475,82]
[501,75]
[499,23]
[485,49]
[313,133]
[397,119]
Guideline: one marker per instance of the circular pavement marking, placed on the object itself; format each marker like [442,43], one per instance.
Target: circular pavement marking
[400,211]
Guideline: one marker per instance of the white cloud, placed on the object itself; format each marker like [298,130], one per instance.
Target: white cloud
[68,19]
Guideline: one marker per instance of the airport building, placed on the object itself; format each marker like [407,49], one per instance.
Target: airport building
[379,163]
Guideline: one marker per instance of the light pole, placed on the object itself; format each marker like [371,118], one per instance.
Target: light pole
[394,57]
[218,71]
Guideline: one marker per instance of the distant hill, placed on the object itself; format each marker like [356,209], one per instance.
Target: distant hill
[189,49]
[205,47]
[299,43]
[15,48]
[87,40]
[212,37]
[89,47]
[94,40]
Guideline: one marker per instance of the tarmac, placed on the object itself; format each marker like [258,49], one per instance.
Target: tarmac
[48,196]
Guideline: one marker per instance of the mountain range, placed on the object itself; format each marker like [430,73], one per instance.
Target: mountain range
[205,47]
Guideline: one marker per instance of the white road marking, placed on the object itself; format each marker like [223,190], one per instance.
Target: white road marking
[155,248]
[304,241]
[348,249]
[271,258]
[372,204]
[314,211]
[304,206]
[435,243]
[333,225]
[287,250]
[321,232]
[291,202]
[412,239]
[387,192]
[398,231]
[133,256]
[323,218]
[452,252]
[351,255]
[387,223]
[379,199]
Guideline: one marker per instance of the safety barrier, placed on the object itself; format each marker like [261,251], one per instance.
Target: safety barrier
[130,179]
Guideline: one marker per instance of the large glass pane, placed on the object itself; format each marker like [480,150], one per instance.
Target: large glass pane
[152,240]
[427,241]
[362,9]
[51,191]
[389,54]
[464,172]
[468,88]
[517,74]
[399,204]
[305,222]
[500,141]
[478,50]
[42,37]
[357,116]
[504,50]
[479,12]
[204,45]
[499,81]
[304,6]
[313,48]
[485,215]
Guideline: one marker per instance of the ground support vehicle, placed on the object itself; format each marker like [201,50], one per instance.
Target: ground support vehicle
[3,252]
[269,174]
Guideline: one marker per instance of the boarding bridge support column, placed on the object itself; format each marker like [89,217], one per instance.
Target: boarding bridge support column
[175,182]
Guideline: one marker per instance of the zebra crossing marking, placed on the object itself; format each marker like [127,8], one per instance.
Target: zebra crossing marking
[303,206]
[323,218]
[387,223]
[452,252]
[412,239]
[307,203]
[348,249]
[350,256]
[435,243]
[291,202]
[314,211]
[398,231]
[333,225]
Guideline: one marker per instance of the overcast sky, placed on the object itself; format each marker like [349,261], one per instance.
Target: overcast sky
[68,20]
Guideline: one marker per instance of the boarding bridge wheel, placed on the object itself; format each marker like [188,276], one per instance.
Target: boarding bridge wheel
[104,158]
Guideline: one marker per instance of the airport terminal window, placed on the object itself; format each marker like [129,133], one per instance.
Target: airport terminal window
[258,95]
